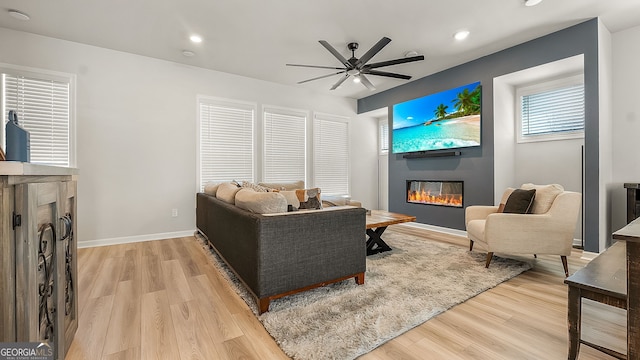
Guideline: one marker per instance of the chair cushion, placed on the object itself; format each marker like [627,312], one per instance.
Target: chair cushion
[505,197]
[520,201]
[545,196]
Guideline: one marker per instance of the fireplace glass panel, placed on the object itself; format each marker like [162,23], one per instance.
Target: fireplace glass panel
[442,193]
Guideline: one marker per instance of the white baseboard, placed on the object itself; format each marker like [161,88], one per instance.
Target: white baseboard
[441,229]
[134,239]
[588,255]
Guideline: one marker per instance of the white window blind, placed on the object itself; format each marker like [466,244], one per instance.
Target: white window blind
[331,154]
[226,141]
[552,112]
[43,109]
[284,145]
[383,130]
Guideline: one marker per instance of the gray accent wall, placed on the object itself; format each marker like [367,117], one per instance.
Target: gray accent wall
[475,166]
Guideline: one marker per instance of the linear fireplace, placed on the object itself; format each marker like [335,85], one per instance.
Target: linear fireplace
[442,193]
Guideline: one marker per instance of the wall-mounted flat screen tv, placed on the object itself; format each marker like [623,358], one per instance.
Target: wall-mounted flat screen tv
[445,120]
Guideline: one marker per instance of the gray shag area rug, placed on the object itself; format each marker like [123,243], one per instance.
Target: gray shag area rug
[403,288]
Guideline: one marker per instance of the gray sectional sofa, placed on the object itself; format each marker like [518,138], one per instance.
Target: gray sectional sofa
[276,255]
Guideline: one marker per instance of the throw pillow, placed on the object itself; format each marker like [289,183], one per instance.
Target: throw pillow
[256,187]
[303,198]
[283,186]
[261,202]
[520,201]
[227,192]
[545,196]
[211,188]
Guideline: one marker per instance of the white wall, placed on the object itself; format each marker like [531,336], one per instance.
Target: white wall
[625,120]
[545,162]
[136,133]
[605,131]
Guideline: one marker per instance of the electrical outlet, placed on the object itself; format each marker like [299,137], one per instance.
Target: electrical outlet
[174,212]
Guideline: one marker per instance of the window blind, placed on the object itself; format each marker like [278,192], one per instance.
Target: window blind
[555,111]
[284,145]
[331,154]
[384,135]
[43,109]
[226,141]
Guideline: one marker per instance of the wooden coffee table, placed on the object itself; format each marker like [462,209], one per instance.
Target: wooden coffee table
[377,223]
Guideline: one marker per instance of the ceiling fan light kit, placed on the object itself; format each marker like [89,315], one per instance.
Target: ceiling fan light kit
[532,2]
[358,68]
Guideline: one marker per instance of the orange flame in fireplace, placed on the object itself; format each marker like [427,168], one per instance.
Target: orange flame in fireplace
[425,197]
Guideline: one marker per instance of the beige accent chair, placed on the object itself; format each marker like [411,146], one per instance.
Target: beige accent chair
[547,230]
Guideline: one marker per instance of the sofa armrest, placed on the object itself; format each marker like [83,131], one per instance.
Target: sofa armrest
[478,212]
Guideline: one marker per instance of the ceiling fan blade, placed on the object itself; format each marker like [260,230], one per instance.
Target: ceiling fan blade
[394,62]
[366,82]
[373,51]
[316,66]
[387,74]
[337,84]
[321,77]
[335,53]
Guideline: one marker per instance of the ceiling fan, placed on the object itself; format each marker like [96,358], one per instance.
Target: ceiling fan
[358,68]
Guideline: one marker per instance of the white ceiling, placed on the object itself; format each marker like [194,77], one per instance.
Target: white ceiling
[256,38]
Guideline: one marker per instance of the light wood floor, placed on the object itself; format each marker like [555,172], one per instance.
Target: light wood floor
[164,300]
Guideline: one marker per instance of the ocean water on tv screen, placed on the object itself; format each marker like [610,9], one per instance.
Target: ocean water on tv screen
[444,134]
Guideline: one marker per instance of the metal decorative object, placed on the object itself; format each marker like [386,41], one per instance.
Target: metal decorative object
[46,263]
[68,258]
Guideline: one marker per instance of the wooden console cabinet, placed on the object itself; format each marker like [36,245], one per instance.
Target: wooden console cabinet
[38,266]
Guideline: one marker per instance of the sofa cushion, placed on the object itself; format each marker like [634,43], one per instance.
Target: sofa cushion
[545,196]
[227,192]
[211,188]
[520,201]
[261,202]
[303,198]
[284,185]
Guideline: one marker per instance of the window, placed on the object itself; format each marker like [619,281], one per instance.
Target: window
[225,140]
[331,154]
[284,145]
[43,102]
[552,110]
[383,141]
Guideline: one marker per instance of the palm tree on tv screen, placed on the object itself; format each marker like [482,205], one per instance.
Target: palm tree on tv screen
[468,102]
[441,111]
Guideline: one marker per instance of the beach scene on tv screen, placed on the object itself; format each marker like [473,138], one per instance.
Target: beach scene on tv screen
[445,120]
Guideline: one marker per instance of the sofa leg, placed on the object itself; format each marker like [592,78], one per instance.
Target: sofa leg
[263,305]
[565,265]
[470,244]
[489,257]
[360,278]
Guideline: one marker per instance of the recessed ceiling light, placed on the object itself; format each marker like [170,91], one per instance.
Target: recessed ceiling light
[461,35]
[19,15]
[195,38]
[410,53]
[532,2]
[188,53]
